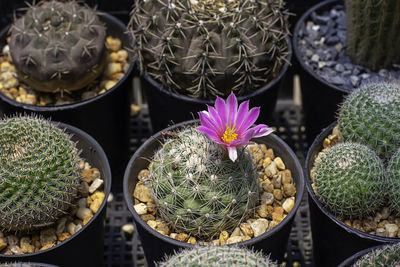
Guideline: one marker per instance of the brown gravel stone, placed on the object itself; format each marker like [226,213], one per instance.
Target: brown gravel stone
[278,194]
[289,190]
[369,225]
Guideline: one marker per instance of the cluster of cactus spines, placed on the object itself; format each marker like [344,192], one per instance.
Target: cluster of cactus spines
[373,32]
[58,46]
[204,48]
[350,180]
[393,177]
[217,256]
[371,116]
[198,193]
[39,173]
[387,256]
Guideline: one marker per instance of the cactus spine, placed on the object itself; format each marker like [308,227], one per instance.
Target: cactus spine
[387,256]
[373,32]
[393,176]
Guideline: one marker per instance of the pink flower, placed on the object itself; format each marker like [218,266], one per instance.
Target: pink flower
[228,126]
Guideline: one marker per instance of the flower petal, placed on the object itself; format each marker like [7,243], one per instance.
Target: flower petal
[232,105]
[206,121]
[222,111]
[215,116]
[261,130]
[210,133]
[242,111]
[250,117]
[232,152]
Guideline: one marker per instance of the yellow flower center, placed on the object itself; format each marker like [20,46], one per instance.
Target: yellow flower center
[229,134]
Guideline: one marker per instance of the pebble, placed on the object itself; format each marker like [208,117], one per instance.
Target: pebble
[278,194]
[71,228]
[279,163]
[26,246]
[192,240]
[289,190]
[288,204]
[61,225]
[259,226]
[380,232]
[246,229]
[95,185]
[140,208]
[3,243]
[128,228]
[142,193]
[83,213]
[267,198]
[271,169]
[234,239]
[223,237]
[391,230]
[48,236]
[110,198]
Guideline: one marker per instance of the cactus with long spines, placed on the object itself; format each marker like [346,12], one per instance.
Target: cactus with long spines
[373,32]
[198,189]
[204,48]
[58,46]
[39,173]
[387,256]
[349,180]
[217,257]
[393,177]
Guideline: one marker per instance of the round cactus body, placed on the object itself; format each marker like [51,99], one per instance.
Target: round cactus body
[58,46]
[349,180]
[199,191]
[205,49]
[393,177]
[388,256]
[39,173]
[216,256]
[371,116]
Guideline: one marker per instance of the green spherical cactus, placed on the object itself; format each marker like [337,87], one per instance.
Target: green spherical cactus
[387,256]
[205,49]
[373,32]
[349,180]
[39,173]
[371,116]
[197,190]
[216,256]
[58,46]
[393,177]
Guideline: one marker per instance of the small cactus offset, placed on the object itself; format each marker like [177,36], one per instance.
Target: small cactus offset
[387,256]
[373,32]
[200,191]
[393,177]
[58,46]
[205,49]
[371,116]
[214,256]
[39,173]
[349,180]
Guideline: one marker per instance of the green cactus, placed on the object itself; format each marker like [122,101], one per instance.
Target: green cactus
[349,180]
[58,46]
[371,115]
[39,173]
[204,48]
[218,257]
[387,256]
[373,32]
[393,177]
[198,193]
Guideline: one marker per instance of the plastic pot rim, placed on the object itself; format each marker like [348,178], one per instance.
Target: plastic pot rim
[138,219]
[107,187]
[79,103]
[317,144]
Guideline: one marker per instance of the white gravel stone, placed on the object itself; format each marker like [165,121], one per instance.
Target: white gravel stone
[82,203]
[71,228]
[259,226]
[128,228]
[78,227]
[267,198]
[140,208]
[288,204]
[95,185]
[83,213]
[110,197]
[391,230]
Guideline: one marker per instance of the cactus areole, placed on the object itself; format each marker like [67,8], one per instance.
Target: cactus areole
[58,46]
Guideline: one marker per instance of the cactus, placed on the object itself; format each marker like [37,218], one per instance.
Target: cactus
[217,257]
[39,173]
[393,177]
[198,193]
[205,49]
[373,32]
[386,256]
[349,180]
[371,116]
[58,46]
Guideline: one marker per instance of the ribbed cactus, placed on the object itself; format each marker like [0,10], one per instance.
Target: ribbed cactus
[198,193]
[203,48]
[39,173]
[349,180]
[393,177]
[371,116]
[214,256]
[373,32]
[58,46]
[387,256]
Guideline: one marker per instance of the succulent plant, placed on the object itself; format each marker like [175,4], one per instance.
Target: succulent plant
[373,32]
[216,256]
[198,189]
[349,180]
[58,46]
[371,115]
[203,48]
[387,256]
[393,177]
[39,173]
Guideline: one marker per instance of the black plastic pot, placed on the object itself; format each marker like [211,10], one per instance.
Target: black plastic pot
[156,245]
[105,117]
[167,108]
[333,240]
[320,98]
[85,248]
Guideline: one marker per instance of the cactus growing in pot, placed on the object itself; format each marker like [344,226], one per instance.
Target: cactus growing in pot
[388,255]
[58,46]
[205,49]
[393,176]
[39,174]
